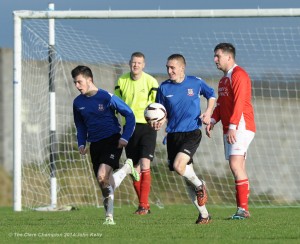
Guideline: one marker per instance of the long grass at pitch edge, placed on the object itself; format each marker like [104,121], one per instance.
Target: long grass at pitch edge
[172,224]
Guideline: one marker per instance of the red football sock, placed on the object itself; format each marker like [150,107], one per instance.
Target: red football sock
[145,188]
[242,193]
[137,186]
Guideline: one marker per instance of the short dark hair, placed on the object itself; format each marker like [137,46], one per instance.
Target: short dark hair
[82,70]
[138,54]
[226,47]
[177,56]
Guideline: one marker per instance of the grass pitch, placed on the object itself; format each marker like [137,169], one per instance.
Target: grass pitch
[172,224]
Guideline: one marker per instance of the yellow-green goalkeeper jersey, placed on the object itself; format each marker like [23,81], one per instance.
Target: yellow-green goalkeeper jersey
[137,94]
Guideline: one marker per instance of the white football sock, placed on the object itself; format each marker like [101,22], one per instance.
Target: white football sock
[190,175]
[193,197]
[119,176]
[108,201]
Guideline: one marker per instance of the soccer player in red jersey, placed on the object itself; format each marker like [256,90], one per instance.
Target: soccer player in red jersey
[234,109]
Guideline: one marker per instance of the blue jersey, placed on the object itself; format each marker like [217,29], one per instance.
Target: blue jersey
[95,117]
[182,102]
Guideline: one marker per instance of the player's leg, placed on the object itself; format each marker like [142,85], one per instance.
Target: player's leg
[204,217]
[104,175]
[137,184]
[189,142]
[236,163]
[181,147]
[133,152]
[236,154]
[186,170]
[147,142]
[105,155]
[145,187]
[120,175]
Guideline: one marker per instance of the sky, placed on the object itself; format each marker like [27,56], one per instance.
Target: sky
[133,34]
[8,6]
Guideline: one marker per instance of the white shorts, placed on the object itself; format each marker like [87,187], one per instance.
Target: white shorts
[240,147]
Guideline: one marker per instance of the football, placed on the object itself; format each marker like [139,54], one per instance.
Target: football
[155,112]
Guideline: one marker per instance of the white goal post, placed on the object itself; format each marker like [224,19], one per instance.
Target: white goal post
[18,144]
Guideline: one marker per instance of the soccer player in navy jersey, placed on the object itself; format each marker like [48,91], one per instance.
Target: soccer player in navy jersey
[138,89]
[180,95]
[96,122]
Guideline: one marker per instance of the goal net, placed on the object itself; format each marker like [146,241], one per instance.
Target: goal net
[268,48]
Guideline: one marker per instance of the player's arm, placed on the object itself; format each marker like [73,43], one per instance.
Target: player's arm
[122,108]
[239,87]
[81,131]
[206,116]
[118,91]
[209,93]
[153,91]
[215,118]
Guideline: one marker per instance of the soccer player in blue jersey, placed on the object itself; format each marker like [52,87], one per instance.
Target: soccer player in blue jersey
[180,95]
[96,122]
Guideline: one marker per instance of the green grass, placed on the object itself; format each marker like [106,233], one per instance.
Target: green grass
[173,224]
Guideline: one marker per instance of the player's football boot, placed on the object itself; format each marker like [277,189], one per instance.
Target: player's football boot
[201,194]
[203,221]
[134,173]
[109,221]
[142,211]
[241,214]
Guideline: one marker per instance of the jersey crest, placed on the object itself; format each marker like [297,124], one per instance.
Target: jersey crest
[100,107]
[190,92]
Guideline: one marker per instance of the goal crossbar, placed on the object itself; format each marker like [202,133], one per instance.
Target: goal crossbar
[136,14]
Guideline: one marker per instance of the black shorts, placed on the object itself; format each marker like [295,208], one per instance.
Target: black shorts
[106,151]
[142,143]
[185,142]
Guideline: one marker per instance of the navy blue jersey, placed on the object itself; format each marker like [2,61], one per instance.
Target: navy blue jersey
[95,117]
[182,102]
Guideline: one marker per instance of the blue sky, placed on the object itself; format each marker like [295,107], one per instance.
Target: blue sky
[8,6]
[131,35]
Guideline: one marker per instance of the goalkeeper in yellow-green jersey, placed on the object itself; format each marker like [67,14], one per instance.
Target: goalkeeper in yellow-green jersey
[138,89]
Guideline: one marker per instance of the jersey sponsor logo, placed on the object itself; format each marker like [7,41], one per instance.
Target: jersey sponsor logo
[169,95]
[223,92]
[190,92]
[143,90]
[100,107]
[112,156]
[81,108]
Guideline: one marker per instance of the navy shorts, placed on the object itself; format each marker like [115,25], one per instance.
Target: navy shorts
[142,143]
[106,151]
[185,142]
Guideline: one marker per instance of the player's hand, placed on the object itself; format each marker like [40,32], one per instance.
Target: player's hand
[206,117]
[82,150]
[208,129]
[122,143]
[231,136]
[157,125]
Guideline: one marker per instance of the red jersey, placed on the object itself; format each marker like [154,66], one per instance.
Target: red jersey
[234,107]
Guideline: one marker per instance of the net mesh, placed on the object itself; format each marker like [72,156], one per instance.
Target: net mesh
[269,53]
